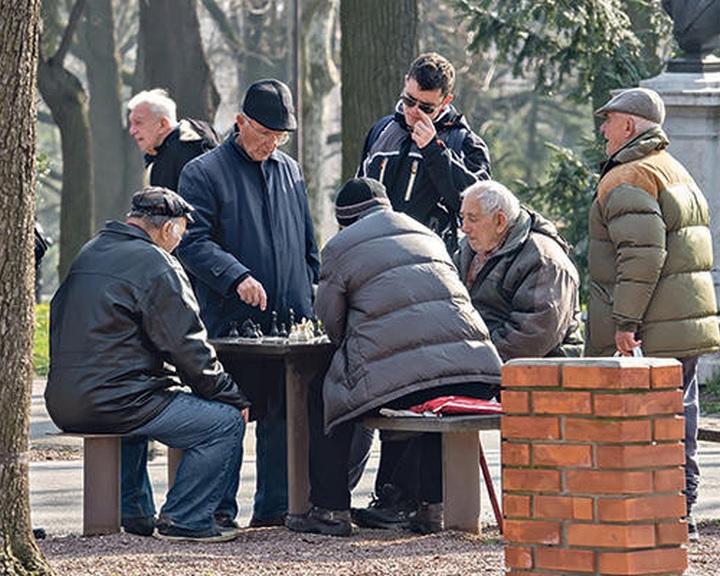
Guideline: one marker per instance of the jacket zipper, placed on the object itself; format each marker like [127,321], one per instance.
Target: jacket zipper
[411,181]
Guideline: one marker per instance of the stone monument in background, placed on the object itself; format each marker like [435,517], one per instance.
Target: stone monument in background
[690,88]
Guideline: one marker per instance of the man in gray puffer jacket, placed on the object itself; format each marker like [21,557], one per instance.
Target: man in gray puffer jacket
[390,299]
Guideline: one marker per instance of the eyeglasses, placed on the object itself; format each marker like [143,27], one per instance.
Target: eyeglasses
[410,102]
[278,138]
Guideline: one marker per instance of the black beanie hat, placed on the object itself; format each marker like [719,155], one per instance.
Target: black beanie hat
[356,196]
[270,103]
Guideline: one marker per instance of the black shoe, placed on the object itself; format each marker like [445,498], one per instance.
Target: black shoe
[387,510]
[142,526]
[39,533]
[226,525]
[178,534]
[693,533]
[266,523]
[321,521]
[427,519]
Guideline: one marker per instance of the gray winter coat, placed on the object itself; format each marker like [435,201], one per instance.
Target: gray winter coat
[527,292]
[390,299]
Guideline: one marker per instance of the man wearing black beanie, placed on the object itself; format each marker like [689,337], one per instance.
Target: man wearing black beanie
[391,301]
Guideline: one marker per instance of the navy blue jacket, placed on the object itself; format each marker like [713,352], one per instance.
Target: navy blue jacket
[250,218]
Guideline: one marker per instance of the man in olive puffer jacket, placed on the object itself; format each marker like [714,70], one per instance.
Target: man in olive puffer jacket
[650,256]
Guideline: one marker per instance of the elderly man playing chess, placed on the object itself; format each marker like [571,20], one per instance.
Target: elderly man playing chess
[390,299]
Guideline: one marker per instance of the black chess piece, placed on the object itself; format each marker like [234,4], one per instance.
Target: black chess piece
[283,330]
[317,330]
[274,328]
[248,329]
[233,332]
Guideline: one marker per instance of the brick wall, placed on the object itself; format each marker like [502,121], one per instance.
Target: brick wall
[592,467]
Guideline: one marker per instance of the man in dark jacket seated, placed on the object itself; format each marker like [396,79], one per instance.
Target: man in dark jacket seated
[391,301]
[521,280]
[124,317]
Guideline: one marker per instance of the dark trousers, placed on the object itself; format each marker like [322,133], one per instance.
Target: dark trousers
[401,462]
[330,454]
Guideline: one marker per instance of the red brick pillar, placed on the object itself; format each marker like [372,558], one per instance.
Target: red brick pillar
[592,466]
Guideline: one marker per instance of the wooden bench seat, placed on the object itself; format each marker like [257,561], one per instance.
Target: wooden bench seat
[463,459]
[101,480]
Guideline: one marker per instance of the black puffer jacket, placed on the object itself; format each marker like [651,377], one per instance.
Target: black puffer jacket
[390,299]
[125,309]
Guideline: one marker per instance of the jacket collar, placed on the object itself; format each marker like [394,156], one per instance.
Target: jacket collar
[642,145]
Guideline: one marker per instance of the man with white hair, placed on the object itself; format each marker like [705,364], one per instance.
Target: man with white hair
[650,255]
[516,267]
[167,144]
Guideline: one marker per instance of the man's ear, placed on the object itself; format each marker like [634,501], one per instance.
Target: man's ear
[501,221]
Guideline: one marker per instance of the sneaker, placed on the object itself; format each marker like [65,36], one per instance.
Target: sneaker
[387,510]
[142,525]
[226,525]
[693,533]
[266,523]
[321,521]
[427,519]
[178,534]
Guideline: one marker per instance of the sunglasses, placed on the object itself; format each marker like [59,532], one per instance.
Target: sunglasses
[410,102]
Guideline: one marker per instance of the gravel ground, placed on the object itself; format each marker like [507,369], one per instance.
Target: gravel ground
[261,552]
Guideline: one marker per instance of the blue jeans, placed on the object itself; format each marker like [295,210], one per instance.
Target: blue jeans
[271,487]
[691,408]
[135,486]
[210,434]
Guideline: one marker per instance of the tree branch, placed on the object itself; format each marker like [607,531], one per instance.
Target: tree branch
[69,31]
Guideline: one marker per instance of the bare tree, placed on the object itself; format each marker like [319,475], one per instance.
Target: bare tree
[67,100]
[19,28]
[379,40]
[109,139]
[320,76]
[173,56]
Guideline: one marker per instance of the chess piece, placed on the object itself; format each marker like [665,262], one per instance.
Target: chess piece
[248,329]
[291,321]
[274,328]
[233,332]
[283,330]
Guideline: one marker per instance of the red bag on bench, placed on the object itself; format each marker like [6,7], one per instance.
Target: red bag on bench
[458,405]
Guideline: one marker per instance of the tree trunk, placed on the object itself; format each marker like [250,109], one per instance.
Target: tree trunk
[19,29]
[67,101]
[320,76]
[173,56]
[102,59]
[379,40]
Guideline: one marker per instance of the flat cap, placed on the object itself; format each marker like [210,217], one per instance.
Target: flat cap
[641,102]
[270,103]
[159,201]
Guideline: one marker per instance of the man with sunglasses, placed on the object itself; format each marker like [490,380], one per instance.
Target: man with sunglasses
[425,153]
[250,252]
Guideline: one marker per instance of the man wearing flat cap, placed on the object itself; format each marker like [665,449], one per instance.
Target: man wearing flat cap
[391,301]
[125,330]
[650,255]
[252,252]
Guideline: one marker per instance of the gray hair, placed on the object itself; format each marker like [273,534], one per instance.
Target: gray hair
[643,124]
[161,105]
[493,197]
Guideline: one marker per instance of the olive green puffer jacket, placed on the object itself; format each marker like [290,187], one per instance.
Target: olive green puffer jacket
[650,255]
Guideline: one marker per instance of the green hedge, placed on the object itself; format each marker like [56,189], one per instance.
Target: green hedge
[41,352]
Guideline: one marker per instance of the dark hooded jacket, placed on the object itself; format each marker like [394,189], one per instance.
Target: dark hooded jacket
[390,299]
[124,313]
[527,291]
[426,183]
[190,139]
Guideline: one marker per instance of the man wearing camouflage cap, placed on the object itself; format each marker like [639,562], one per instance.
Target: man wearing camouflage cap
[650,255]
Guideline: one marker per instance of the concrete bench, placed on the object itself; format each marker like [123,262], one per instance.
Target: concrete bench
[101,480]
[462,452]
